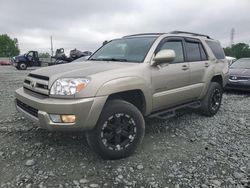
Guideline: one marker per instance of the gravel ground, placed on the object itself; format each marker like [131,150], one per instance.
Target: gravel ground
[186,151]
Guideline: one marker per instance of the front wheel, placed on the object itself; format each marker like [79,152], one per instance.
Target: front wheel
[22,66]
[212,101]
[119,130]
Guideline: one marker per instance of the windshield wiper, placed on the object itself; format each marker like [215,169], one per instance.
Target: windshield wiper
[109,59]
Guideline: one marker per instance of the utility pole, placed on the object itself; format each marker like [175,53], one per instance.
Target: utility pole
[51,46]
[232,37]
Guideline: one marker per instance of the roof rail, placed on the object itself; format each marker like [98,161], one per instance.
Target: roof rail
[141,34]
[190,33]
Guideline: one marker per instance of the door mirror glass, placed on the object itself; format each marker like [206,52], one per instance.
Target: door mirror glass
[164,56]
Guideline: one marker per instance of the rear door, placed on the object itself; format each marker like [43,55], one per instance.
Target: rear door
[198,63]
[170,81]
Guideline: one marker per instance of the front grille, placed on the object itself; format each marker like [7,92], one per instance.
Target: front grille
[27,108]
[27,81]
[42,86]
[37,84]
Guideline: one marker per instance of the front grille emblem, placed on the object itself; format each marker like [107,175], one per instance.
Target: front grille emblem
[33,84]
[234,78]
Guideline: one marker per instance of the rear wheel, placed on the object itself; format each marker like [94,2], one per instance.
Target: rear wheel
[22,66]
[119,130]
[212,101]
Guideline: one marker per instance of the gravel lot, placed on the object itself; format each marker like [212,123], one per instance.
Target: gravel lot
[186,151]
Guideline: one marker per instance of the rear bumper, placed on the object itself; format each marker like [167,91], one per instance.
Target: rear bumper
[38,108]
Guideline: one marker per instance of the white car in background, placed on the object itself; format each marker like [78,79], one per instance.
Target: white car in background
[230,60]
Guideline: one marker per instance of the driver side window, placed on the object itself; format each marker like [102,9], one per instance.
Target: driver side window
[178,49]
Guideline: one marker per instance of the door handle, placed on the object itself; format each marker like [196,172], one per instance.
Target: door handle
[207,65]
[185,67]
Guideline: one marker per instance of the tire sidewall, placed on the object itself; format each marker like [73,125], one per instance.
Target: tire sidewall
[214,86]
[114,107]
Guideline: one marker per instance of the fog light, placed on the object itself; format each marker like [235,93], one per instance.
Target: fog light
[55,118]
[68,118]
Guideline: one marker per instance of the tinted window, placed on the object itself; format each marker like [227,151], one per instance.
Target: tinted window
[178,49]
[193,51]
[216,49]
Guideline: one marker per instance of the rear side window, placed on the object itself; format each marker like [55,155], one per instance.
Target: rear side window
[178,49]
[216,49]
[193,51]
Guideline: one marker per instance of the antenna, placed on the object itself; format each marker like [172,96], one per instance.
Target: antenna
[232,37]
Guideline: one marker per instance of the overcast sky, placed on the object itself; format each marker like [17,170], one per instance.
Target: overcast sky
[85,24]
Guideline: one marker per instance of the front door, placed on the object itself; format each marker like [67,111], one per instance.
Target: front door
[170,81]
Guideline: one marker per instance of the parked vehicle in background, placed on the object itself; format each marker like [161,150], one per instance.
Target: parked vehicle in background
[127,79]
[81,59]
[29,59]
[5,61]
[230,60]
[239,75]
[61,58]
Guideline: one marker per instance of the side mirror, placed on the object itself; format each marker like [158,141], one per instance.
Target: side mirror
[164,56]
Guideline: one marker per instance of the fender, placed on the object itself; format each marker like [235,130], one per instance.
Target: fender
[126,84]
[204,91]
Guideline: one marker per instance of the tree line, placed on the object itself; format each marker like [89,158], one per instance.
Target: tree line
[8,47]
[239,50]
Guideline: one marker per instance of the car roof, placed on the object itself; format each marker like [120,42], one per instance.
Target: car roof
[172,33]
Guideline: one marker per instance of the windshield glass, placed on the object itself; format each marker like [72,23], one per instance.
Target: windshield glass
[125,49]
[241,64]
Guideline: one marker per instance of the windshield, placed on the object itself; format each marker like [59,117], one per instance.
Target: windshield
[241,64]
[125,49]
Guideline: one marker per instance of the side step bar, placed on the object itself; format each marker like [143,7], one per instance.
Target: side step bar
[171,112]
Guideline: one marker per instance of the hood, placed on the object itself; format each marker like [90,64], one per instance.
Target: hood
[80,69]
[239,72]
[20,57]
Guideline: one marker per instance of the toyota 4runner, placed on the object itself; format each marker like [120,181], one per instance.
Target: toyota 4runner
[124,81]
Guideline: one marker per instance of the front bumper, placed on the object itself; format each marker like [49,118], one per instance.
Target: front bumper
[37,108]
[238,85]
[13,62]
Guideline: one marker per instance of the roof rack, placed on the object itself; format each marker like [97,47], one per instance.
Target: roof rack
[141,34]
[190,33]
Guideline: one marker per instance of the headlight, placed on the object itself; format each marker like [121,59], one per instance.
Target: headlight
[68,86]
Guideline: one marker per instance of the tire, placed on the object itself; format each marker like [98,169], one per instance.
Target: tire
[22,66]
[119,130]
[212,100]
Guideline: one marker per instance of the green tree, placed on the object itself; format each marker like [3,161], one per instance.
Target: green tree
[8,47]
[44,55]
[239,50]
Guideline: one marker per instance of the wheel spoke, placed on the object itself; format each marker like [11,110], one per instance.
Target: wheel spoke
[216,97]
[117,139]
[108,136]
[125,133]
[117,120]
